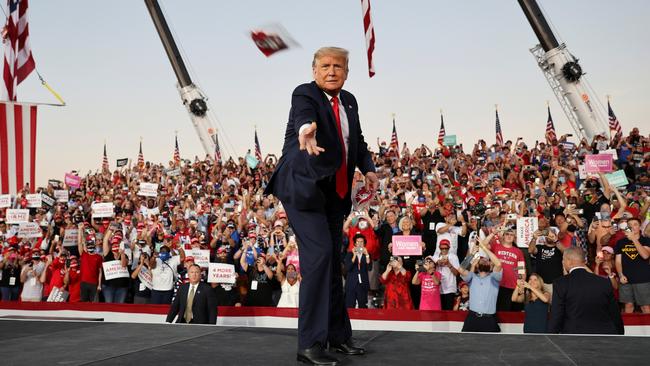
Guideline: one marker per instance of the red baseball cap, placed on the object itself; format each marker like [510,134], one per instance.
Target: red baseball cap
[444,243]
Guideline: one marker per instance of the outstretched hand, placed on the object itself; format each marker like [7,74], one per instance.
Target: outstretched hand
[307,140]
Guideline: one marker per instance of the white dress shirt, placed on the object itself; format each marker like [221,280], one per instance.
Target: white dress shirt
[345,127]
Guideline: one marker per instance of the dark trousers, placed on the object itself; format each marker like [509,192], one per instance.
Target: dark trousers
[161,297]
[477,323]
[447,301]
[88,292]
[504,299]
[322,315]
[356,293]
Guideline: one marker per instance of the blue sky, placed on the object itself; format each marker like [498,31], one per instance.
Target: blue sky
[107,62]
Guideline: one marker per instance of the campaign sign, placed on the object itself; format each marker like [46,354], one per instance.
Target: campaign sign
[598,163]
[611,152]
[72,180]
[221,273]
[407,245]
[5,200]
[449,140]
[15,216]
[104,209]
[48,200]
[70,237]
[28,230]
[146,277]
[61,195]
[173,172]
[526,226]
[617,179]
[148,189]
[201,256]
[34,200]
[114,269]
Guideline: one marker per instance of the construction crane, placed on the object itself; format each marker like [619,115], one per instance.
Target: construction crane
[191,95]
[565,76]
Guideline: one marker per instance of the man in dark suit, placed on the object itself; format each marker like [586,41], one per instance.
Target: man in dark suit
[195,302]
[313,181]
[583,303]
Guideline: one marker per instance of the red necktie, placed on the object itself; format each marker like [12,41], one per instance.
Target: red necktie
[342,171]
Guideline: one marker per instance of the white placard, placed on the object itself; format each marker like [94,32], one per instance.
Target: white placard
[526,226]
[61,195]
[221,273]
[34,200]
[16,216]
[153,212]
[114,269]
[58,295]
[28,230]
[201,256]
[5,200]
[148,189]
[145,277]
[610,151]
[70,237]
[47,199]
[104,209]
[173,172]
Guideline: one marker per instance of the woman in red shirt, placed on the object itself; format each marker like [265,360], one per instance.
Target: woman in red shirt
[72,280]
[397,280]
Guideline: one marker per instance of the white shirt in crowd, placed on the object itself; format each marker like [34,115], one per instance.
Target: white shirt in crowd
[165,273]
[448,280]
[451,235]
[32,288]
[290,295]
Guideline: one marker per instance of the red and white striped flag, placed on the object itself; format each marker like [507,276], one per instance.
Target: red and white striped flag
[140,157]
[17,147]
[217,149]
[393,139]
[369,31]
[551,136]
[441,133]
[614,125]
[177,154]
[258,150]
[105,166]
[19,62]
[499,133]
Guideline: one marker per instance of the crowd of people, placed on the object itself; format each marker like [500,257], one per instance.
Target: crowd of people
[465,206]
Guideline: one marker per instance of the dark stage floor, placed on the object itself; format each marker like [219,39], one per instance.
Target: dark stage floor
[99,343]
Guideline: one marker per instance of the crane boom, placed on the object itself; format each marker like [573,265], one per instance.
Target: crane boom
[564,75]
[192,97]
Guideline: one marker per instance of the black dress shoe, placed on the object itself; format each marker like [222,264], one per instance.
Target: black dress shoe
[316,355]
[347,348]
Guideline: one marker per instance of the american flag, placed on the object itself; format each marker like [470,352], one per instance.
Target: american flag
[258,151]
[369,31]
[105,160]
[499,134]
[442,133]
[177,154]
[613,124]
[551,137]
[140,157]
[17,147]
[393,139]
[217,149]
[19,62]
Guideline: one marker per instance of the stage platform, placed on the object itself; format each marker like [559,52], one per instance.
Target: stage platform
[39,342]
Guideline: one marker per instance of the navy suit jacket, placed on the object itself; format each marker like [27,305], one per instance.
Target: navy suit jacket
[299,178]
[583,303]
[204,305]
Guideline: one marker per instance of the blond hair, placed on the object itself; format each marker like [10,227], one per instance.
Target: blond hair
[331,51]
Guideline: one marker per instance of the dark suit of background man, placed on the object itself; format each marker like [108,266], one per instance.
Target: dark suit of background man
[323,145]
[195,301]
[583,303]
